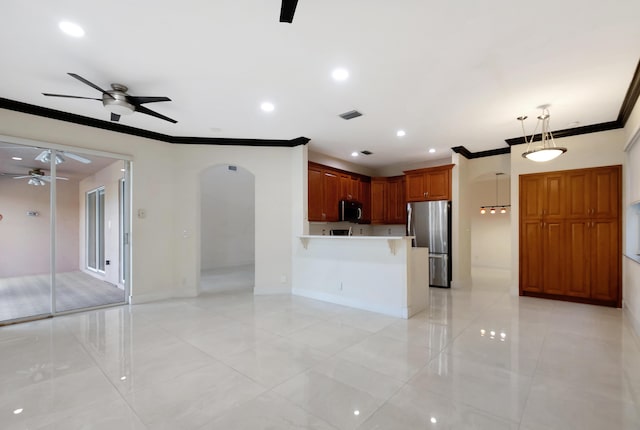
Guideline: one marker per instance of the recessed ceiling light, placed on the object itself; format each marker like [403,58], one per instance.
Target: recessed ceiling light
[17,158]
[432,150]
[401,133]
[18,411]
[71,29]
[122,170]
[340,74]
[267,106]
[354,154]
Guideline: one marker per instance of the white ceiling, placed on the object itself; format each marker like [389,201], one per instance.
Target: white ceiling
[450,73]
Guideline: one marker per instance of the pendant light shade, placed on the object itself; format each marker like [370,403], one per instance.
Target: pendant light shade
[545,149]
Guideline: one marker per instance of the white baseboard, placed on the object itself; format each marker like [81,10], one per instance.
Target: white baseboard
[266,291]
[635,323]
[352,303]
[150,297]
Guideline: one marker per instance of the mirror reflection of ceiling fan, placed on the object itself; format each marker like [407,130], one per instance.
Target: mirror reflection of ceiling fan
[45,157]
[38,178]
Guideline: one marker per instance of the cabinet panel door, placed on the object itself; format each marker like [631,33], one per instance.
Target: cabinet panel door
[316,195]
[438,187]
[396,206]
[331,195]
[365,198]
[531,256]
[553,268]
[577,258]
[605,260]
[531,196]
[606,192]
[578,190]
[554,197]
[378,201]
[355,189]
[416,187]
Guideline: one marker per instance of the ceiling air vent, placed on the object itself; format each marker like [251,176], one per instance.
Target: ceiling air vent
[350,115]
[365,152]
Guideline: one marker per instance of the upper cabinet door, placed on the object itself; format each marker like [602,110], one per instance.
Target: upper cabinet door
[605,202]
[316,195]
[331,193]
[416,187]
[438,185]
[554,206]
[531,196]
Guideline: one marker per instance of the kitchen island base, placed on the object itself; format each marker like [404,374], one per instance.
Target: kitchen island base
[381,274]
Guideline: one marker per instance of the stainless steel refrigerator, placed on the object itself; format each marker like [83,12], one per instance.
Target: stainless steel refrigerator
[430,224]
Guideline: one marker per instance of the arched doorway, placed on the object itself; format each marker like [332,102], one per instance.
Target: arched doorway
[227,226]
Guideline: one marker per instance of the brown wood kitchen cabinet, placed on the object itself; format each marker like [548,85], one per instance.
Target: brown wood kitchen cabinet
[570,235]
[432,183]
[327,186]
[323,192]
[388,205]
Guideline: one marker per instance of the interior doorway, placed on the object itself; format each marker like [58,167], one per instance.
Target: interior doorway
[227,226]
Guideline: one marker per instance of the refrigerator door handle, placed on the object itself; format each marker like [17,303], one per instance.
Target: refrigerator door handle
[441,256]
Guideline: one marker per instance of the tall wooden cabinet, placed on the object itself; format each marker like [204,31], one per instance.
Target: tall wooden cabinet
[570,235]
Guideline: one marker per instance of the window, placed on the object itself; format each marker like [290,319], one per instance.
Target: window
[95,230]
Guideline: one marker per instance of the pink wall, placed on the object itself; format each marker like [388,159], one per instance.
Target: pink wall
[24,240]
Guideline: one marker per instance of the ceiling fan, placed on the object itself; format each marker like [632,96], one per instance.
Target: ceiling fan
[38,178]
[118,102]
[45,157]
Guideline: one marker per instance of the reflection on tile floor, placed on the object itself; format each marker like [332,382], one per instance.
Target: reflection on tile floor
[477,358]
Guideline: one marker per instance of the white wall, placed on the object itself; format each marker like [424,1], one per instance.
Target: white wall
[587,150]
[460,222]
[109,178]
[165,183]
[631,173]
[227,217]
[24,240]
[336,163]
[490,234]
[277,197]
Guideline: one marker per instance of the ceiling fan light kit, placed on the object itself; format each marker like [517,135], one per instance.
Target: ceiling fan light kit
[546,150]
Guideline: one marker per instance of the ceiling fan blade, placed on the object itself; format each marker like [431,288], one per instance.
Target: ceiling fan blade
[146,111]
[140,100]
[69,97]
[76,157]
[91,84]
[21,177]
[49,178]
[115,117]
[42,155]
[287,10]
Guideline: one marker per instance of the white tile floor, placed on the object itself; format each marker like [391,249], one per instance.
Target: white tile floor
[476,359]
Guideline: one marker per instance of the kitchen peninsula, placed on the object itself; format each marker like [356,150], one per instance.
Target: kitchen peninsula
[376,273]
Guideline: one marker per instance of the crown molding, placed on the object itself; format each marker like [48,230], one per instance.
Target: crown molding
[471,155]
[133,131]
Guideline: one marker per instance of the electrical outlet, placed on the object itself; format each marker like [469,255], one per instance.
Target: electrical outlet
[283,279]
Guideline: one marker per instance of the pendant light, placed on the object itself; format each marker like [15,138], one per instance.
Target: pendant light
[494,208]
[546,149]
